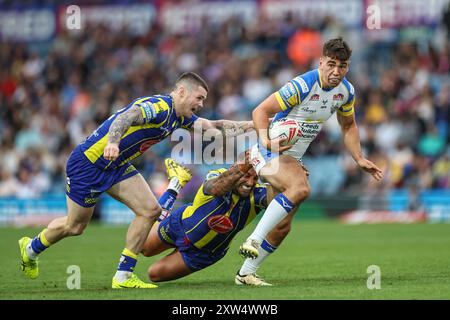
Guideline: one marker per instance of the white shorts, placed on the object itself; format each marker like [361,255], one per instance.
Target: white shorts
[260,156]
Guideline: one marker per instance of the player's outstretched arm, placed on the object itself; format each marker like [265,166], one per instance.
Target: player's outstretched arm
[352,142]
[226,128]
[224,183]
[120,125]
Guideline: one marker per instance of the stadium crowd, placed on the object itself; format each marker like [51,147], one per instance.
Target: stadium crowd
[52,98]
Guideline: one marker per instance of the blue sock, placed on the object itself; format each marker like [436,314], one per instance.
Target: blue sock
[127,261]
[167,201]
[267,246]
[39,243]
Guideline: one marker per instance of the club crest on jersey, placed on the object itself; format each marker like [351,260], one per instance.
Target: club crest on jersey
[338,97]
[220,224]
[314,97]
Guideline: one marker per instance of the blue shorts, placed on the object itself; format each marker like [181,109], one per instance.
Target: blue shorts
[86,182]
[171,231]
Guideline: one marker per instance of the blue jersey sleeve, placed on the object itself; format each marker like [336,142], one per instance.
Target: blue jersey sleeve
[347,109]
[295,91]
[147,109]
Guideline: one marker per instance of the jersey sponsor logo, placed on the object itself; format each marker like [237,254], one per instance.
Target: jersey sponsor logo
[149,110]
[289,94]
[314,97]
[303,85]
[146,145]
[220,223]
[338,97]
[307,109]
[310,130]
[291,88]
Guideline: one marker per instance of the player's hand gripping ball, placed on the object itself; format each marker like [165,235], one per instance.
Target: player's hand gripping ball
[288,129]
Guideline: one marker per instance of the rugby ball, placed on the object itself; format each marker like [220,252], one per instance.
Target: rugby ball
[220,223]
[285,128]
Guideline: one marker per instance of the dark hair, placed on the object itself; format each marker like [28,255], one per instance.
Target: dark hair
[192,78]
[337,49]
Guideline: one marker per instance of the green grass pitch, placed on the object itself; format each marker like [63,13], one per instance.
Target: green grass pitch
[320,259]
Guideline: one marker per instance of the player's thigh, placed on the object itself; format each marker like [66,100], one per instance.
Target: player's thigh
[77,214]
[169,268]
[284,172]
[154,245]
[135,193]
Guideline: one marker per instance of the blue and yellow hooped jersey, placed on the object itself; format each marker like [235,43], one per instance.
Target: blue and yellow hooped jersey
[160,121]
[241,211]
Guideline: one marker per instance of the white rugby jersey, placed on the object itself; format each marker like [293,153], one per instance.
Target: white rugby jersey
[304,100]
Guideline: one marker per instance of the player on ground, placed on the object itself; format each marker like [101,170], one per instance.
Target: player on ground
[101,164]
[200,233]
[310,99]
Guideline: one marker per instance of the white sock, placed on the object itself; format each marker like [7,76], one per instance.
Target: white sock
[252,265]
[175,185]
[30,252]
[273,215]
[121,276]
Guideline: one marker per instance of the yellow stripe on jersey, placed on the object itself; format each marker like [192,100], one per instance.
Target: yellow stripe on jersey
[200,199]
[206,239]
[211,234]
[347,110]
[206,216]
[281,102]
[229,234]
[252,213]
[96,150]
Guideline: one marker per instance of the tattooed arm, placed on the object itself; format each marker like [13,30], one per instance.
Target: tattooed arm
[224,183]
[119,126]
[227,128]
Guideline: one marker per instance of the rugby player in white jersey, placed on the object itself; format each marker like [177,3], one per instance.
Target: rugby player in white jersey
[311,99]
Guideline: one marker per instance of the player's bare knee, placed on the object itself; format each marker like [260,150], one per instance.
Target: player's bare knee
[75,229]
[298,194]
[148,250]
[155,273]
[151,212]
[155,211]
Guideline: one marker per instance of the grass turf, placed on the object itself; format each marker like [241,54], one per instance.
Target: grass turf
[320,259]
